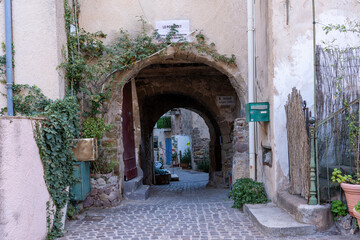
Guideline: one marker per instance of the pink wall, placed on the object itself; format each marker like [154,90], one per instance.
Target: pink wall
[23,193]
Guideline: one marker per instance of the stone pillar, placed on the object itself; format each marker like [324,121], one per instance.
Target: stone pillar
[240,168]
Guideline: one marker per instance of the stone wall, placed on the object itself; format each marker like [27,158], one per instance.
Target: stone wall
[104,192]
[200,146]
[240,167]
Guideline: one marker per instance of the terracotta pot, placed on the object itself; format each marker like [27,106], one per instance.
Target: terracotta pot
[184,165]
[357,215]
[352,194]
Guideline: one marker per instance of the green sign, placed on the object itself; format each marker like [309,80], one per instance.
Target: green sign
[257,112]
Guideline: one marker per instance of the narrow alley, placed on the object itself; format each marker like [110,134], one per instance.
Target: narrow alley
[186,209]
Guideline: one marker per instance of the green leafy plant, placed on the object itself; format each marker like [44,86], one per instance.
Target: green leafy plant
[338,177]
[203,165]
[54,135]
[338,209]
[94,127]
[71,212]
[186,157]
[246,190]
[352,117]
[357,207]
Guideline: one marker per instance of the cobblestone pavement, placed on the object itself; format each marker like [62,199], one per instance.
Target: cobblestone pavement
[180,210]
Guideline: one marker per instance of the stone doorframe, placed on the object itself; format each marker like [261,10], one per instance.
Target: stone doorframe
[113,108]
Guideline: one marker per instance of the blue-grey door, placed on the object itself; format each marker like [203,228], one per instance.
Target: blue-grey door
[168,150]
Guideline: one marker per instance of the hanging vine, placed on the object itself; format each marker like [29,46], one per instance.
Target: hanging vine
[89,62]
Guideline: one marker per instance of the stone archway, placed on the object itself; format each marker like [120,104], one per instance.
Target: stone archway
[182,80]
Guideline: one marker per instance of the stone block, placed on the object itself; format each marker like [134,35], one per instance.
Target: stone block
[113,196]
[106,203]
[89,201]
[103,197]
[101,182]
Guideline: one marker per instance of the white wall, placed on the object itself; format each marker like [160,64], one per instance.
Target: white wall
[39,37]
[291,65]
[23,193]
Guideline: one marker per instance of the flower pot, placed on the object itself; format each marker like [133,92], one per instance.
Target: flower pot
[352,194]
[86,149]
[357,215]
[184,165]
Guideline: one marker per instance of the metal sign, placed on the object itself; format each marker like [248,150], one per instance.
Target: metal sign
[225,101]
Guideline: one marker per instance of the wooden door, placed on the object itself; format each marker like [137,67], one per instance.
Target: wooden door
[128,134]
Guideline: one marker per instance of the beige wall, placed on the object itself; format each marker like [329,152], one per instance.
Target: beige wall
[223,22]
[23,193]
[39,37]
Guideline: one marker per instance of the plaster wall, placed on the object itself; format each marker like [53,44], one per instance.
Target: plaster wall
[291,65]
[2,39]
[23,193]
[39,37]
[222,22]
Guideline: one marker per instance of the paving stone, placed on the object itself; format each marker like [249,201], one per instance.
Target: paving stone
[185,209]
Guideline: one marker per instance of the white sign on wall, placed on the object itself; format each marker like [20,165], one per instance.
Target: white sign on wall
[182,26]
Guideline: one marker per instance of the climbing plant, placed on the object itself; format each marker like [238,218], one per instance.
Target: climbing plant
[90,63]
[54,135]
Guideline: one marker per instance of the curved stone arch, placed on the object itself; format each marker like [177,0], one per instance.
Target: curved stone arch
[170,55]
[174,100]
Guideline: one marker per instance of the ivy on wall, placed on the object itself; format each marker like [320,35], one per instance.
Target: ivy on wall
[87,66]
[90,63]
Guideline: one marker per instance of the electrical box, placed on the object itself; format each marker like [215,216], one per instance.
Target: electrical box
[81,186]
[257,112]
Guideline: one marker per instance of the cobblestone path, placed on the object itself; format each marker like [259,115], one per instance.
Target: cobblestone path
[180,210]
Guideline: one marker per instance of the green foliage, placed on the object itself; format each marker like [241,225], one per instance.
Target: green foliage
[164,122]
[54,138]
[204,165]
[89,62]
[29,100]
[94,127]
[337,177]
[357,206]
[246,190]
[3,61]
[54,135]
[71,212]
[352,117]
[186,157]
[338,209]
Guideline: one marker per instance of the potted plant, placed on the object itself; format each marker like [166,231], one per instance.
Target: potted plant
[350,184]
[356,211]
[185,159]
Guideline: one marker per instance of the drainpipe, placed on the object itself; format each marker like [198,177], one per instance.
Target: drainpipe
[251,70]
[9,63]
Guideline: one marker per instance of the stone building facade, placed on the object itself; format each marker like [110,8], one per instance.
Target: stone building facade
[283,60]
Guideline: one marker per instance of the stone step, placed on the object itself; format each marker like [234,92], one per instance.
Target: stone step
[131,185]
[297,207]
[141,193]
[275,222]
[174,177]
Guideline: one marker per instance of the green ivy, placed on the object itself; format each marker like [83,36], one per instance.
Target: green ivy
[89,62]
[54,136]
[338,209]
[246,190]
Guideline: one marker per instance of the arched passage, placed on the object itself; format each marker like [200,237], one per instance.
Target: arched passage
[187,80]
[165,102]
